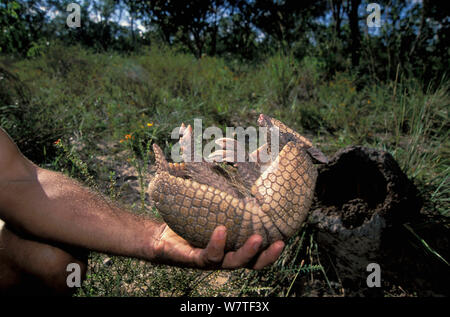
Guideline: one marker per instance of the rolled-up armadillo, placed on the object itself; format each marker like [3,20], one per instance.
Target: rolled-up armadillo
[269,198]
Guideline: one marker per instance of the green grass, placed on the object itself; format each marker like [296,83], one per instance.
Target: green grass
[85,99]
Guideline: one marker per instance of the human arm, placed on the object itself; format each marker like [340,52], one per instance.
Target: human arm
[53,207]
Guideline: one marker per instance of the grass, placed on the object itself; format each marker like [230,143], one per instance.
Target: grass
[129,102]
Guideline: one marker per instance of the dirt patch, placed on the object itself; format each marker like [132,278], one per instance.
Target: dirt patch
[125,184]
[355,212]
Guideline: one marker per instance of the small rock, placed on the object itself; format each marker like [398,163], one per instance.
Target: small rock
[107,262]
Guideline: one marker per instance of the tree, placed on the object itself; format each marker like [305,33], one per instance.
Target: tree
[355,35]
[21,25]
[192,23]
[286,22]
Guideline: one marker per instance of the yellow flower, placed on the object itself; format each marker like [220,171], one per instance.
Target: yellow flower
[150,124]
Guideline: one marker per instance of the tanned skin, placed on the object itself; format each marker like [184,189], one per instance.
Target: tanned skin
[50,220]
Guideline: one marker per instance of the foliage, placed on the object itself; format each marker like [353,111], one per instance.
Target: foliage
[411,40]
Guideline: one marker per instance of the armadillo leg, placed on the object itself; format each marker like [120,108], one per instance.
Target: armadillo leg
[249,170]
[199,172]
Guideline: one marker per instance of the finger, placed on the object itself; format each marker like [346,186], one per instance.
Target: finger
[214,251]
[244,254]
[270,255]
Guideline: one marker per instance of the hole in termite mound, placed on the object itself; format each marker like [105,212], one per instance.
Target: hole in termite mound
[352,184]
[352,176]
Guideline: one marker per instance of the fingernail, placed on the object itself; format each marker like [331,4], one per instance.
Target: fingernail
[221,233]
[256,246]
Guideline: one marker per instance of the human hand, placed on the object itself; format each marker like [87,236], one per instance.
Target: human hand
[170,248]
